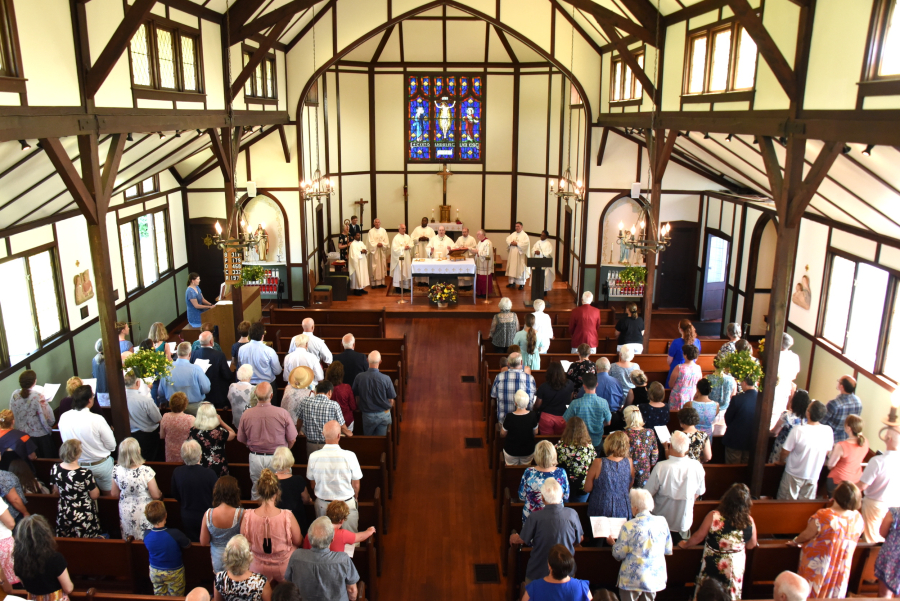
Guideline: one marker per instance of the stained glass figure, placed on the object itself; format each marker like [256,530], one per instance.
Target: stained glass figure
[445,118]
[419,144]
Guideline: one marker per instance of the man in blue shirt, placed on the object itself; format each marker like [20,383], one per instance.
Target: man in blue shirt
[844,404]
[258,355]
[739,419]
[608,387]
[592,409]
[375,396]
[164,547]
[187,378]
[508,382]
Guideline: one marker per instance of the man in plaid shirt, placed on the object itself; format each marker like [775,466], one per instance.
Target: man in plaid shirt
[508,382]
[840,407]
[315,412]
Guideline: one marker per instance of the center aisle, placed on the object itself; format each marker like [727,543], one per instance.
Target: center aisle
[442,517]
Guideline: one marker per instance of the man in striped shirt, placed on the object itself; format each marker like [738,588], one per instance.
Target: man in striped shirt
[334,475]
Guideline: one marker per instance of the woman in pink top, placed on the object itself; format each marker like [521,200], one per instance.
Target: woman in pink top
[175,426]
[273,533]
[684,378]
[847,456]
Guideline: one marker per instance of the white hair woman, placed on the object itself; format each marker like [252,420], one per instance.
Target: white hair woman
[641,546]
[212,433]
[134,484]
[192,487]
[236,582]
[504,326]
[545,466]
[644,451]
[239,393]
[293,487]
[621,369]
[518,430]
[543,326]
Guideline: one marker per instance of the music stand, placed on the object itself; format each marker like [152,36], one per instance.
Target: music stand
[537,265]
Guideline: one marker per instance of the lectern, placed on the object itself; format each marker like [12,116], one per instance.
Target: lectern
[222,316]
[537,265]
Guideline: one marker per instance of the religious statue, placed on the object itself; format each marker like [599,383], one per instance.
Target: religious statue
[445,116]
[262,242]
[623,254]
[469,122]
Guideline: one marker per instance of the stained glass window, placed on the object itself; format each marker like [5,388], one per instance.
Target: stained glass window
[445,121]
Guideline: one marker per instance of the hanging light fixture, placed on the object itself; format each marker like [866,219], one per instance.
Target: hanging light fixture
[319,187]
[636,238]
[569,186]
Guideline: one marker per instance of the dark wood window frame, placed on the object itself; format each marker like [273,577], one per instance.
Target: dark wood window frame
[139,272]
[60,306]
[630,100]
[155,91]
[730,94]
[269,63]
[12,77]
[140,192]
[871,83]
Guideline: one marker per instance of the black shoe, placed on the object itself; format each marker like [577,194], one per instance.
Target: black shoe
[397,291]
[522,287]
[357,293]
[364,291]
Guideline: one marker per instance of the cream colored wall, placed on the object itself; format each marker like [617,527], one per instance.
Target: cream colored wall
[48,52]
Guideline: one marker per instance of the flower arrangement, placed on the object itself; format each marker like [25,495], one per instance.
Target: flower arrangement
[251,273]
[634,274]
[742,365]
[149,364]
[442,292]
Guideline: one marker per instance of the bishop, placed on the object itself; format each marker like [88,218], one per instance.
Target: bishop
[518,247]
[358,266]
[469,243]
[379,252]
[439,247]
[544,248]
[401,255]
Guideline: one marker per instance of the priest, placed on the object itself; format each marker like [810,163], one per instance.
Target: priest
[421,236]
[378,246]
[518,247]
[543,248]
[358,265]
[401,258]
[468,243]
[441,245]
[484,265]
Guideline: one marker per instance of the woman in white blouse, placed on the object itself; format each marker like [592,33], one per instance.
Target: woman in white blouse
[543,326]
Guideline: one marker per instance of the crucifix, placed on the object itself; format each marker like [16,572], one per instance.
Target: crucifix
[444,173]
[362,208]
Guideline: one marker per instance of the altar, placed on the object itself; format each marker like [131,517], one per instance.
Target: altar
[442,269]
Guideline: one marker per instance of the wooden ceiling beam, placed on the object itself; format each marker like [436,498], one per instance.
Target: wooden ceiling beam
[644,12]
[629,59]
[694,10]
[587,38]
[284,144]
[67,172]
[664,153]
[111,166]
[116,45]
[218,151]
[238,14]
[816,175]
[604,15]
[506,45]
[271,19]
[259,55]
[767,47]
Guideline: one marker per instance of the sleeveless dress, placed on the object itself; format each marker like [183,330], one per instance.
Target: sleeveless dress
[685,386]
[887,566]
[271,565]
[610,495]
[825,560]
[219,537]
[707,413]
[724,555]
[644,454]
[76,514]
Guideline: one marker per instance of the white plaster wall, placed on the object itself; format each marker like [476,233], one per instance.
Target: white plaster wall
[781,19]
[498,133]
[212,66]
[48,52]
[498,191]
[530,18]
[389,188]
[102,18]
[811,252]
[389,125]
[532,123]
[356,17]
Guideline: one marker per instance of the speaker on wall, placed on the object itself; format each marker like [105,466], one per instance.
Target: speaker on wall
[251,189]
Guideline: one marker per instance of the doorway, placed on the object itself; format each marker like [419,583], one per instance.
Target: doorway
[677,272]
[567,244]
[712,303]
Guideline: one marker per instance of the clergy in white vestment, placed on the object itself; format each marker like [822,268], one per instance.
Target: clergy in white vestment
[379,253]
[440,246]
[470,244]
[421,236]
[544,248]
[543,326]
[518,247]
[401,246]
[788,368]
[484,265]
[358,265]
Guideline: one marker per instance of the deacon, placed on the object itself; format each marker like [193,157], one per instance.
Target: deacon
[378,245]
[440,245]
[401,246]
[470,244]
[543,248]
[518,246]
[354,227]
[484,265]
[421,236]
[358,266]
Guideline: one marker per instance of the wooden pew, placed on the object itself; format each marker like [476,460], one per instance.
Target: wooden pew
[328,316]
[275,331]
[363,345]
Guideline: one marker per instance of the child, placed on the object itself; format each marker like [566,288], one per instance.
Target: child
[164,546]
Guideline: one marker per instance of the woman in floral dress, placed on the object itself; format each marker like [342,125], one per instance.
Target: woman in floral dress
[76,516]
[727,532]
[887,566]
[796,416]
[684,378]
[134,484]
[829,542]
[544,467]
[175,426]
[644,449]
[579,368]
[699,447]
[212,433]
[576,454]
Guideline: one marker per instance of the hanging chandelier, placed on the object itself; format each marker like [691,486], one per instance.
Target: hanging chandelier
[244,240]
[569,187]
[318,187]
[637,239]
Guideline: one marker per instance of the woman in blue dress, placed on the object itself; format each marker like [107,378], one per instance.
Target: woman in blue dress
[194,300]
[676,353]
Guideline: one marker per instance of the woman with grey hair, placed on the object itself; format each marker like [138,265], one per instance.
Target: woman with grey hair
[621,369]
[543,326]
[212,433]
[98,372]
[641,546]
[504,326]
[76,514]
[192,487]
[239,393]
[733,332]
[545,466]
[236,582]
[519,428]
[134,484]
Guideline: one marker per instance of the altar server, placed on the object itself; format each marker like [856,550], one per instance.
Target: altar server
[401,246]
[470,244]
[421,236]
[441,245]
[358,266]
[544,248]
[484,265]
[378,246]
[518,246]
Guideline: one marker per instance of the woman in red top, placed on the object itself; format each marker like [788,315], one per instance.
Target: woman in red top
[337,512]
[342,394]
[847,456]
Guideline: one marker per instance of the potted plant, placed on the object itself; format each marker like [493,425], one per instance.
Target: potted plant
[251,273]
[741,365]
[634,274]
[443,294]
[149,365]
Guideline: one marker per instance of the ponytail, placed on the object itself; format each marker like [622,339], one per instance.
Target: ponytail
[855,423]
[530,335]
[634,310]
[688,333]
[26,380]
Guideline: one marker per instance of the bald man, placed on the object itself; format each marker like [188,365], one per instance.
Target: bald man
[401,257]
[263,429]
[791,587]
[316,345]
[471,245]
[379,253]
[334,475]
[375,396]
[440,245]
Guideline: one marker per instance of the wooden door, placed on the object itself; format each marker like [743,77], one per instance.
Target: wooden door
[676,270]
[715,270]
[567,244]
[321,256]
[203,259]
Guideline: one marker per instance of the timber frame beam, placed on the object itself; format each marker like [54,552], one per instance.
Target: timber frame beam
[116,45]
[270,19]
[259,55]
[604,15]
[767,47]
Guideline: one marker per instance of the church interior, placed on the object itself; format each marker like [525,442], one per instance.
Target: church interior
[726,162]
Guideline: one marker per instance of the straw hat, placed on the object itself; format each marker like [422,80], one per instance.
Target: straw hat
[301,377]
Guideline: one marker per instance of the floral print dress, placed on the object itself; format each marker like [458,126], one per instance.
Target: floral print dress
[134,496]
[576,461]
[825,560]
[887,566]
[212,444]
[788,420]
[697,442]
[240,590]
[724,555]
[644,454]
[530,488]
[685,385]
[76,516]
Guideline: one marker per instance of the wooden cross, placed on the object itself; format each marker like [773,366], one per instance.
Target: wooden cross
[362,208]
[444,173]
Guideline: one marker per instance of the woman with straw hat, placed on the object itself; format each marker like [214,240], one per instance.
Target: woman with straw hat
[298,388]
